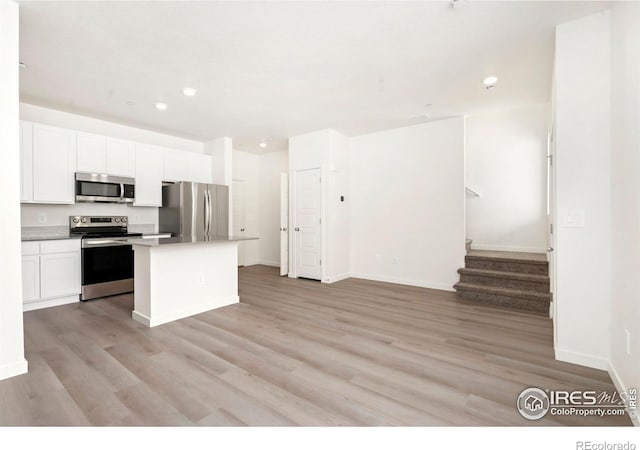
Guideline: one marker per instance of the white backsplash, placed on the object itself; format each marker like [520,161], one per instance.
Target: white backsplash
[58,215]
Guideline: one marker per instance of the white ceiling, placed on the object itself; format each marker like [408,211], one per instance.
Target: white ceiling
[277,69]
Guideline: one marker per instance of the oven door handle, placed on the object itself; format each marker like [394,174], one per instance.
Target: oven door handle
[104,243]
[121,191]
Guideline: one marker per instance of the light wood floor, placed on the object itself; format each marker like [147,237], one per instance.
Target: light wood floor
[293,352]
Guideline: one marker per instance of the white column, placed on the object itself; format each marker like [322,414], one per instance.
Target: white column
[221,151]
[582,297]
[12,360]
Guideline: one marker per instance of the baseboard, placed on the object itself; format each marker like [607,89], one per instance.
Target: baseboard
[405,281]
[31,306]
[341,277]
[181,314]
[270,263]
[508,248]
[622,388]
[13,369]
[581,359]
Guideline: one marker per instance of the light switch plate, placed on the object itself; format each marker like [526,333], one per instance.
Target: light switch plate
[573,218]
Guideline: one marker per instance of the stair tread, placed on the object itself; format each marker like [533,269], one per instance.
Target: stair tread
[506,258]
[497,290]
[504,274]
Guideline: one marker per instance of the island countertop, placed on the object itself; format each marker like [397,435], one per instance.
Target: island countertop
[186,240]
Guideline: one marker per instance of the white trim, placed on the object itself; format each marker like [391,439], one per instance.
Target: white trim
[269,263]
[620,387]
[186,312]
[340,277]
[31,306]
[418,283]
[13,369]
[581,359]
[507,248]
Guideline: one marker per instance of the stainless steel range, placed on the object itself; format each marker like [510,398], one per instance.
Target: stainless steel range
[107,260]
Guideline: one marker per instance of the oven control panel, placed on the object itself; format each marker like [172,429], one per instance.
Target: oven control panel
[97,221]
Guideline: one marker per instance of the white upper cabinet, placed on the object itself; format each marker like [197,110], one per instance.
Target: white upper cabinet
[92,151]
[121,157]
[174,165]
[148,175]
[101,154]
[54,164]
[198,168]
[26,162]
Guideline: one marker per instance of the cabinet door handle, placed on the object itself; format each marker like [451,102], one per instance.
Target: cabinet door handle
[297,229]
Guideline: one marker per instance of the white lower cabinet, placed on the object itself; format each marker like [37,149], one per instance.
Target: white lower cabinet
[51,273]
[30,278]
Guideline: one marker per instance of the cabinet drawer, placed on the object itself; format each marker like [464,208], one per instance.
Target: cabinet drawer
[60,246]
[30,248]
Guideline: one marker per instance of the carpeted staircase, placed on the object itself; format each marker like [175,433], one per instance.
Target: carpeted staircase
[507,279]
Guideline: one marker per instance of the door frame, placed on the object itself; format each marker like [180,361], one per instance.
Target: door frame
[284,223]
[241,249]
[293,183]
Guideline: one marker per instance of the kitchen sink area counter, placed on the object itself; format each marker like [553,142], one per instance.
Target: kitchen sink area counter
[177,277]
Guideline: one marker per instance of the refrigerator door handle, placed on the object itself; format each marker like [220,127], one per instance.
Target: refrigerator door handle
[207,212]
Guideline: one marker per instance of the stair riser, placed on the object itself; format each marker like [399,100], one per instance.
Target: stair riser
[538,307]
[523,285]
[507,266]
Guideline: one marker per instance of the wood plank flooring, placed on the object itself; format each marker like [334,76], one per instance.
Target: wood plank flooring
[293,352]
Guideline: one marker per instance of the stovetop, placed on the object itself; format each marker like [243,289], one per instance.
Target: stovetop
[91,227]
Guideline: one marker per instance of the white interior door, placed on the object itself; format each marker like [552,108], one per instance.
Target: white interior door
[237,194]
[284,224]
[307,228]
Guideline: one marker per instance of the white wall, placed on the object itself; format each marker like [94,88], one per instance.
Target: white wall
[58,215]
[246,168]
[62,119]
[328,151]
[625,198]
[407,204]
[12,360]
[506,164]
[339,212]
[221,159]
[582,191]
[271,165]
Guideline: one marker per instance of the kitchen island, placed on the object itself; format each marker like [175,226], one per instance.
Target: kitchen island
[178,277]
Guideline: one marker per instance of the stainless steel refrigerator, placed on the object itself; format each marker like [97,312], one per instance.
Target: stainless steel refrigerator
[195,209]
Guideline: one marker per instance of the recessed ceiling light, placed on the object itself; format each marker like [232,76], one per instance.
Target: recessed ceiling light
[490,80]
[189,92]
[161,106]
[263,144]
[22,65]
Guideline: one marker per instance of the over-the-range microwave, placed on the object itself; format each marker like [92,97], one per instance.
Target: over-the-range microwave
[98,188]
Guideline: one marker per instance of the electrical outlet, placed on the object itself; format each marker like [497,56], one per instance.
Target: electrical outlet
[42,218]
[628,336]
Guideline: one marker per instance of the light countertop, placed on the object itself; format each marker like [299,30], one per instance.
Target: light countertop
[187,240]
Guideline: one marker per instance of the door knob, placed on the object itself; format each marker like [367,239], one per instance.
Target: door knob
[241,229]
[549,249]
[284,229]
[297,229]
